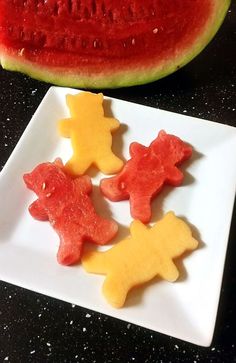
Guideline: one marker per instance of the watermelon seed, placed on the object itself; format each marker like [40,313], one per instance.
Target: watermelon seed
[133,41]
[22,35]
[155,31]
[10,29]
[78,4]
[69,6]
[86,13]
[43,186]
[110,15]
[97,43]
[48,195]
[21,52]
[84,43]
[122,185]
[143,12]
[94,7]
[153,13]
[103,7]
[130,11]
[55,9]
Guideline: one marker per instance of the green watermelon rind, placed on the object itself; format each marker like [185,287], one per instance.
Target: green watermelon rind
[122,78]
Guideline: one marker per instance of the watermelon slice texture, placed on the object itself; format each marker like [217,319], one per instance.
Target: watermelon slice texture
[145,174]
[105,43]
[66,204]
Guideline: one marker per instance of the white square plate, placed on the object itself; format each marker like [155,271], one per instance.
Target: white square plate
[185,309]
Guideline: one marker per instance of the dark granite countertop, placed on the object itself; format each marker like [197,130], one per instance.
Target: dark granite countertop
[36,328]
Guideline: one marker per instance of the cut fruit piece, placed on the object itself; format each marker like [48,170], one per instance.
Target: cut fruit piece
[146,253]
[66,204]
[90,133]
[145,174]
[105,43]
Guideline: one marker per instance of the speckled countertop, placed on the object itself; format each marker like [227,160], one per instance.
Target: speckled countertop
[36,328]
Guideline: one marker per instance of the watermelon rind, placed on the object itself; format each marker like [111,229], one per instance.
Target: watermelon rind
[118,77]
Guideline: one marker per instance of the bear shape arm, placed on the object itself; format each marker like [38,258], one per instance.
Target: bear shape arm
[174,176]
[83,184]
[112,123]
[64,127]
[137,149]
[37,211]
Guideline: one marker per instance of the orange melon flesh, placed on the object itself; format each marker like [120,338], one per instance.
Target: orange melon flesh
[105,43]
[90,134]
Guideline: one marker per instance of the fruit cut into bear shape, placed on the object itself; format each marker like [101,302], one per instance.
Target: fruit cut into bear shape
[90,133]
[66,204]
[105,43]
[148,252]
[146,172]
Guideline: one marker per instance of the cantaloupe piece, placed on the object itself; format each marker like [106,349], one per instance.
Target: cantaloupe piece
[148,252]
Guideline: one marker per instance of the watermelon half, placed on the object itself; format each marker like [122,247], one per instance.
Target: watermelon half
[105,43]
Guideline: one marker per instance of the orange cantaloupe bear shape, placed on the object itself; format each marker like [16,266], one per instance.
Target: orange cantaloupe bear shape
[90,134]
[148,252]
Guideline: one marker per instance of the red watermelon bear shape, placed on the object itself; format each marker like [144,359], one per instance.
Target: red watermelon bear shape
[64,201]
[144,175]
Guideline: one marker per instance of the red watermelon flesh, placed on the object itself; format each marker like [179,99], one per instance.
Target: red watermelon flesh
[65,202]
[105,43]
[145,174]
